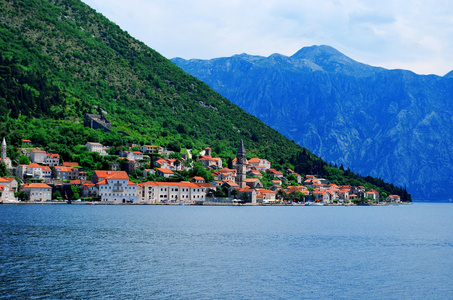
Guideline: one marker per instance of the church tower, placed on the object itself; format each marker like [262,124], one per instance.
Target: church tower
[241,165]
[4,151]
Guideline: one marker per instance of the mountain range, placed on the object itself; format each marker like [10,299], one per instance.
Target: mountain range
[391,124]
[60,60]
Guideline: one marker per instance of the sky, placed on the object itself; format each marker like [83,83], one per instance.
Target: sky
[415,35]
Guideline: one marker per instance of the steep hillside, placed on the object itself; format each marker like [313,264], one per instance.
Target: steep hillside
[60,59]
[391,124]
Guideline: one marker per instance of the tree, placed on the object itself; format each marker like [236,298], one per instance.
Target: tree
[221,192]
[295,196]
[22,196]
[3,169]
[281,194]
[57,195]
[292,178]
[176,156]
[199,170]
[210,193]
[234,193]
[244,196]
[24,160]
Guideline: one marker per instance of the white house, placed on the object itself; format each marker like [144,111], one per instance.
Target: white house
[260,164]
[118,189]
[11,182]
[132,155]
[172,192]
[149,149]
[46,173]
[34,170]
[96,147]
[38,157]
[6,194]
[164,172]
[37,191]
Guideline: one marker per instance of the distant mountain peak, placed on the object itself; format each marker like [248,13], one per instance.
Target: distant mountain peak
[333,61]
[317,51]
[449,75]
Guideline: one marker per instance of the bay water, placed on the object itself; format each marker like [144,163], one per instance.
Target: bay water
[226,252]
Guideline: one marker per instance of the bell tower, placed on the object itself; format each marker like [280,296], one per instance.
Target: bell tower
[241,165]
[4,151]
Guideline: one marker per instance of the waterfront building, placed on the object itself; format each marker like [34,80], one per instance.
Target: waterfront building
[116,188]
[6,194]
[11,182]
[37,191]
[173,192]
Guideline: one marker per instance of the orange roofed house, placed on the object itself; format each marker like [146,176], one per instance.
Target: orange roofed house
[259,164]
[172,192]
[38,156]
[37,191]
[52,159]
[115,187]
[33,170]
[6,193]
[66,173]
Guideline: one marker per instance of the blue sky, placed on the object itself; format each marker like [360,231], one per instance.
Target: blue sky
[416,35]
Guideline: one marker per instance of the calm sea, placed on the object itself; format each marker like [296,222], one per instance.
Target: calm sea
[228,252]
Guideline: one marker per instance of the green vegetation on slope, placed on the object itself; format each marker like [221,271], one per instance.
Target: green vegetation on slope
[61,59]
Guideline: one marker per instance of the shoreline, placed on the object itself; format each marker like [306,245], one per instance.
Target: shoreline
[195,204]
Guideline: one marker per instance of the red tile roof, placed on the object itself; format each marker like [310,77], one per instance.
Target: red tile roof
[254,160]
[63,169]
[36,186]
[111,174]
[34,165]
[7,179]
[205,184]
[165,171]
[265,191]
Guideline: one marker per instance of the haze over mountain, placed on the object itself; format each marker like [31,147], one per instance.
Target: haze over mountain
[391,124]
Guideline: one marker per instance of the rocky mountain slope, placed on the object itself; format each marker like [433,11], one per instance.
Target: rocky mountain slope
[391,124]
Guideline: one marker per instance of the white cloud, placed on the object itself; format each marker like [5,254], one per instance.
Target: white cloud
[415,34]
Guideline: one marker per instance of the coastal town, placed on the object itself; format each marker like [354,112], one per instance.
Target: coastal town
[252,181]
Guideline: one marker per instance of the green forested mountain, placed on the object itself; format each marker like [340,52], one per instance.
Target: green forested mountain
[60,59]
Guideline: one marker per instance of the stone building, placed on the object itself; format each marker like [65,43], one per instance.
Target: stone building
[97,122]
[5,159]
